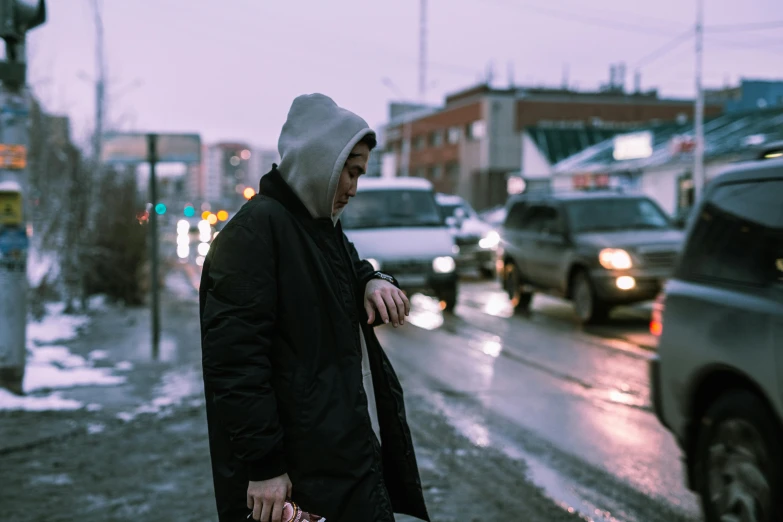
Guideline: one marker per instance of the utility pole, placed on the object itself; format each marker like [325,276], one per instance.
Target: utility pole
[698,120]
[423,51]
[152,156]
[16,18]
[100,83]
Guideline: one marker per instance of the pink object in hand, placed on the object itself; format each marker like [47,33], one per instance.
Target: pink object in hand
[293,513]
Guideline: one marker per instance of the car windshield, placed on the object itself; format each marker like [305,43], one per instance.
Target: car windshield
[391,208]
[596,215]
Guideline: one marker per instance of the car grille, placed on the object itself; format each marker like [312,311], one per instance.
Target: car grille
[407,266]
[659,259]
[467,240]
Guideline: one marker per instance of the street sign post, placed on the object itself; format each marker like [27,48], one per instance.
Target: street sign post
[17,17]
[136,148]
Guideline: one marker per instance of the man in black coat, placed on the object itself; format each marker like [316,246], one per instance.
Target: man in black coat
[302,402]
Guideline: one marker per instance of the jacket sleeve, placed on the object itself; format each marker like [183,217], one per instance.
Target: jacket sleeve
[365,273]
[238,322]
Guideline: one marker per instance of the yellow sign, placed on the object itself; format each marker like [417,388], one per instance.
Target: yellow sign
[10,208]
[13,156]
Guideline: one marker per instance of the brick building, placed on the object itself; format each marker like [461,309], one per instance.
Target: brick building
[471,144]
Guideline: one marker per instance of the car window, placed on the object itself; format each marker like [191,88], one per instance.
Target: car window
[514,217]
[449,209]
[602,214]
[738,235]
[391,208]
[542,219]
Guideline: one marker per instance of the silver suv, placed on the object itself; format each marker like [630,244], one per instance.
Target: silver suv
[716,383]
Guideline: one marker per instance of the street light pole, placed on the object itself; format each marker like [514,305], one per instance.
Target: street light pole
[152,157]
[698,127]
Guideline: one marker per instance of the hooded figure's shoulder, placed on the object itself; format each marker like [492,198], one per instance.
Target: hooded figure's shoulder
[262,214]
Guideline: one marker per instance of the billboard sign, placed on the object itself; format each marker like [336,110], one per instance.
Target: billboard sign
[132,148]
[636,145]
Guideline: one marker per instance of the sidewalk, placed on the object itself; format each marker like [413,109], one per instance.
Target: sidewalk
[80,367]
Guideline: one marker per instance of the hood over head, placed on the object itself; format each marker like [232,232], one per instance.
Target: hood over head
[314,146]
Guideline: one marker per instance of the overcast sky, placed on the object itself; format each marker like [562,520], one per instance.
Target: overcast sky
[229,69]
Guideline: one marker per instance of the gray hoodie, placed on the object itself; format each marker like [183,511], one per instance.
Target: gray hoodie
[314,145]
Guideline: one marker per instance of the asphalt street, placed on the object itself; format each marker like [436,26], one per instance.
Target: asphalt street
[524,416]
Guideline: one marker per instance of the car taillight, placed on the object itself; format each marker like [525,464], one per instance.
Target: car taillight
[656,321]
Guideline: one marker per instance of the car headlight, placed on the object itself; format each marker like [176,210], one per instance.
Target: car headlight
[375,264]
[443,265]
[490,241]
[615,259]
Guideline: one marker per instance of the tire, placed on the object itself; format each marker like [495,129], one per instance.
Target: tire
[588,307]
[520,299]
[744,481]
[450,299]
[486,273]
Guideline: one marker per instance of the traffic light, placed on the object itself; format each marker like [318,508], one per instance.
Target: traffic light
[16,18]
[189,211]
[19,16]
[160,209]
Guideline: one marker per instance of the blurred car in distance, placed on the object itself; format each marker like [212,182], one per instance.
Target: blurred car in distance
[598,249]
[477,240]
[397,225]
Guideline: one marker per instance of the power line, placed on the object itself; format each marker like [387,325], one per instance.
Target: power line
[734,28]
[592,20]
[665,49]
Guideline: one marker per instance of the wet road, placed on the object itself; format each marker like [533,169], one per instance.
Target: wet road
[574,405]
[501,408]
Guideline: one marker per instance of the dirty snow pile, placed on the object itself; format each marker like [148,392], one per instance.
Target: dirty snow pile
[52,367]
[176,388]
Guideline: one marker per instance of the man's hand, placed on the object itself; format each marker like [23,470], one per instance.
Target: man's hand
[267,497]
[390,302]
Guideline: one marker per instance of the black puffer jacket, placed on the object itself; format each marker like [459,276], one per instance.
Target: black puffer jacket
[281,306]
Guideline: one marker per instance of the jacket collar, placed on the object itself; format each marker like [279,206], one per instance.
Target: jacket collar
[274,186]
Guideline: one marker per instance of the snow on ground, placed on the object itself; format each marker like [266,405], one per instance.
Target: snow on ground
[51,367]
[54,401]
[176,387]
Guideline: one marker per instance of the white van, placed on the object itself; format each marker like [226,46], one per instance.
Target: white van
[396,225]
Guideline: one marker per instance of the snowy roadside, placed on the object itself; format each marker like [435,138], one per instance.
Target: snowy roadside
[56,377]
[51,367]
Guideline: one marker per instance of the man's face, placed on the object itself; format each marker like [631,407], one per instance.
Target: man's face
[355,166]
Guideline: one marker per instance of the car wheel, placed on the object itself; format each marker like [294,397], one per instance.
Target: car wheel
[449,299]
[739,461]
[486,273]
[520,299]
[589,309]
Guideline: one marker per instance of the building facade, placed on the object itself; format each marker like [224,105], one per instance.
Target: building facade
[664,170]
[748,95]
[472,144]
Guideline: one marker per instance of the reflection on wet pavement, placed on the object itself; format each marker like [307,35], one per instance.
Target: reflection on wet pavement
[425,312]
[588,401]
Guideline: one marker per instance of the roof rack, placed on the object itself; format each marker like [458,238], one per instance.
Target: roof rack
[547,191]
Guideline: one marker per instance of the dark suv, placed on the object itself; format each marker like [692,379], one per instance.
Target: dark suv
[598,249]
[717,383]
